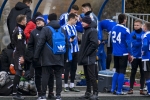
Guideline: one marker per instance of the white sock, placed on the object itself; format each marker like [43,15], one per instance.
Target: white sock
[71,85]
[66,85]
[114,70]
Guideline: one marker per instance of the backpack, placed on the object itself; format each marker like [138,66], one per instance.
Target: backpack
[4,78]
[58,39]
[7,89]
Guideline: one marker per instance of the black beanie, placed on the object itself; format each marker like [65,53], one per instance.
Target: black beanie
[87,19]
[40,18]
[52,16]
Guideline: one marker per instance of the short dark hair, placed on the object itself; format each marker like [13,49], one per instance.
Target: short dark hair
[27,1]
[75,7]
[147,24]
[71,15]
[52,16]
[86,5]
[121,18]
[138,20]
[20,18]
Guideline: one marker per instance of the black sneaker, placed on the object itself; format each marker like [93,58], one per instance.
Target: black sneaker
[43,98]
[58,97]
[74,89]
[51,96]
[87,95]
[17,97]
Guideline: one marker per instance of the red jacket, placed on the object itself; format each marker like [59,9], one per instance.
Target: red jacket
[29,27]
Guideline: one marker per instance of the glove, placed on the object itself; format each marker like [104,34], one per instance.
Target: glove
[134,36]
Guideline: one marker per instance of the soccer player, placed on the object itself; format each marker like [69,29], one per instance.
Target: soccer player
[121,48]
[136,42]
[146,54]
[106,25]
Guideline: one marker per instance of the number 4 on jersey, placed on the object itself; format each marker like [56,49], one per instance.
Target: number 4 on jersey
[116,38]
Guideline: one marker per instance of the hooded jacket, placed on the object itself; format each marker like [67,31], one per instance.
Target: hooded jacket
[43,51]
[89,44]
[20,8]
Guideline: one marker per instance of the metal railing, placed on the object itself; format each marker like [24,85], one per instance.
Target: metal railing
[131,17]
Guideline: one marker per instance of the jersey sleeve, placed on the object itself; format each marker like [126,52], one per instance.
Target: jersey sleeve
[128,41]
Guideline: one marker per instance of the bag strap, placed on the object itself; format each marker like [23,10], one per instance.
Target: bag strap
[52,29]
[49,45]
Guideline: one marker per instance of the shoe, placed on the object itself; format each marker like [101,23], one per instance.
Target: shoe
[121,93]
[18,97]
[130,91]
[43,98]
[94,96]
[87,95]
[142,92]
[66,89]
[51,96]
[74,89]
[39,98]
[145,89]
[58,97]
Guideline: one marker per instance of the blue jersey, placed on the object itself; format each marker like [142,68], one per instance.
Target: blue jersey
[72,32]
[146,47]
[106,25]
[64,19]
[136,44]
[120,36]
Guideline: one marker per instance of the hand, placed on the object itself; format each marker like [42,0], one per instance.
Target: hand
[99,42]
[21,60]
[71,40]
[142,52]
[130,58]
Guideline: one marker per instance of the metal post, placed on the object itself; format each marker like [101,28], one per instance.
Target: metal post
[37,6]
[123,6]
[101,9]
[1,9]
[73,2]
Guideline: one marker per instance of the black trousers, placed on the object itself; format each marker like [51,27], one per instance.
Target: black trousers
[120,63]
[16,80]
[89,71]
[38,77]
[71,67]
[46,70]
[135,64]
[109,57]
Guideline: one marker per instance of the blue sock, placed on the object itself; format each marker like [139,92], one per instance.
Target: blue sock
[114,82]
[148,85]
[120,83]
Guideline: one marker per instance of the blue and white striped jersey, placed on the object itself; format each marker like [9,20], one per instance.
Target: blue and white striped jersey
[71,31]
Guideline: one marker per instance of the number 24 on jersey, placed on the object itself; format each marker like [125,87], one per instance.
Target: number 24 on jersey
[116,37]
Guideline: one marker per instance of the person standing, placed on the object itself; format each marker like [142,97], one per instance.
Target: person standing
[71,64]
[136,42]
[87,55]
[19,42]
[106,25]
[49,60]
[121,49]
[20,8]
[146,55]
[34,36]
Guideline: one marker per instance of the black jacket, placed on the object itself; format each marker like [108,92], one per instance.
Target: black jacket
[34,36]
[20,8]
[89,44]
[6,58]
[47,56]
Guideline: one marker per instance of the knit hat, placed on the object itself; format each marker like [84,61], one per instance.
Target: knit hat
[40,18]
[87,19]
